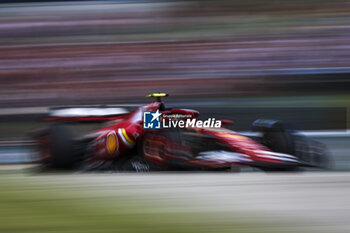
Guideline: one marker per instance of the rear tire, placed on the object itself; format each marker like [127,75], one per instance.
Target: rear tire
[60,149]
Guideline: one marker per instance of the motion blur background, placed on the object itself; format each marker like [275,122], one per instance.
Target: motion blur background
[232,55]
[232,59]
[229,54]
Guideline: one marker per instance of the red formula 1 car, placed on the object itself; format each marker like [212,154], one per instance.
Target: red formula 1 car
[129,144]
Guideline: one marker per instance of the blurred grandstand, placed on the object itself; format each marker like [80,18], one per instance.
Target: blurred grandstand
[244,52]
[64,52]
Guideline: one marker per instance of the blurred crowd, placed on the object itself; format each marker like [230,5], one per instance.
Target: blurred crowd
[117,51]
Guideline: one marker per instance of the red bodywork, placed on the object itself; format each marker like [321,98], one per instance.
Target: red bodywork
[161,149]
[128,130]
[237,150]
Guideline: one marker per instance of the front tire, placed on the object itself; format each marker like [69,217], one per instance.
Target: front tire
[276,136]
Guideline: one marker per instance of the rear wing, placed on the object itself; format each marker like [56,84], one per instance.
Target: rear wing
[89,113]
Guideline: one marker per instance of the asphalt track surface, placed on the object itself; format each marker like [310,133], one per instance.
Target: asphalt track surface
[305,202]
[296,202]
[313,201]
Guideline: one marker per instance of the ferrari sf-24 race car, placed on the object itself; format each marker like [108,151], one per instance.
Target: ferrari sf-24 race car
[128,144]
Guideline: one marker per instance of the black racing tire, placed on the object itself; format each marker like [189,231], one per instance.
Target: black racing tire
[276,135]
[61,149]
[63,146]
